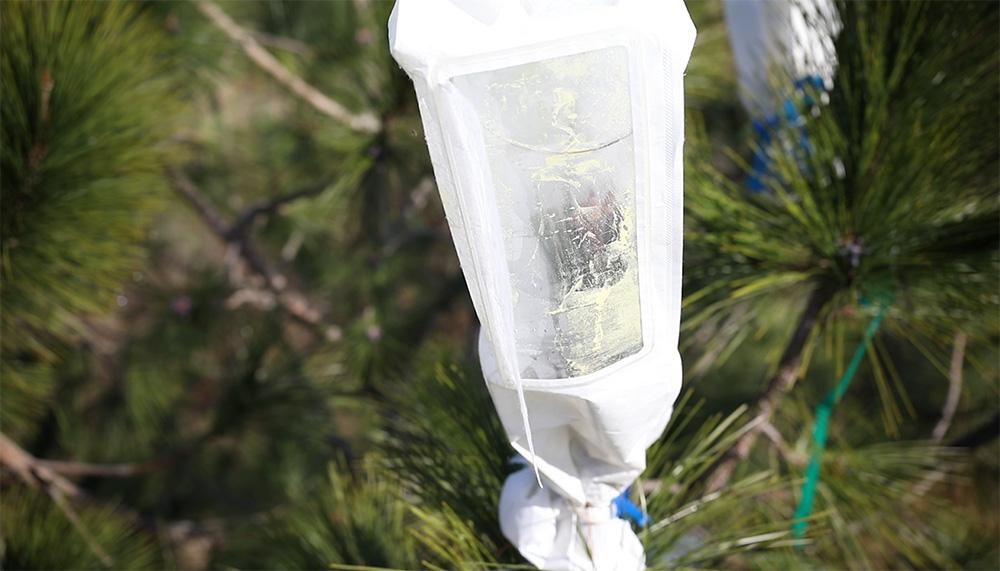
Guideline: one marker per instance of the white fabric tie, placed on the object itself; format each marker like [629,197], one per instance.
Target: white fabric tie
[527,430]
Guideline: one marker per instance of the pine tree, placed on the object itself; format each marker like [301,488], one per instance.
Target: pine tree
[235,333]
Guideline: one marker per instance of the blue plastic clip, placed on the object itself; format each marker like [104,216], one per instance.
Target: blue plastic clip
[760,164]
[625,509]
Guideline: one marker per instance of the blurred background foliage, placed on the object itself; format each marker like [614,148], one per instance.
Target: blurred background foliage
[235,333]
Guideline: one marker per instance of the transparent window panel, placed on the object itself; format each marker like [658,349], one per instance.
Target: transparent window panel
[558,139]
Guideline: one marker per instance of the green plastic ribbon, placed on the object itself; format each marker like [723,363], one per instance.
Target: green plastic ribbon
[822,422]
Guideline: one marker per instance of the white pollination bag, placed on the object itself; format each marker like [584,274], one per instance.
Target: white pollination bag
[794,39]
[556,130]
[785,55]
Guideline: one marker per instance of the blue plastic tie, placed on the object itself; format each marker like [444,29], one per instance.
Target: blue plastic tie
[760,164]
[625,509]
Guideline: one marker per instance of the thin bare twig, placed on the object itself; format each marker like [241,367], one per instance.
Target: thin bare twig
[205,209]
[789,369]
[83,469]
[50,477]
[786,453]
[287,44]
[239,228]
[250,261]
[33,473]
[364,122]
[947,411]
[954,387]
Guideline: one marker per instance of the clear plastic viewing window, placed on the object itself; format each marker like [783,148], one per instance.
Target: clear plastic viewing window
[559,147]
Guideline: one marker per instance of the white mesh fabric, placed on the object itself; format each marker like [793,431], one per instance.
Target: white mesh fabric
[558,140]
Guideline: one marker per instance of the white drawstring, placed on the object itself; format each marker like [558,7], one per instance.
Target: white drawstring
[527,429]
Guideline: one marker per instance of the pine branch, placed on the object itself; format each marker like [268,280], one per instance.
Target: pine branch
[287,44]
[53,475]
[789,368]
[35,474]
[83,469]
[364,123]
[209,215]
[786,453]
[295,303]
[243,222]
[50,476]
[947,412]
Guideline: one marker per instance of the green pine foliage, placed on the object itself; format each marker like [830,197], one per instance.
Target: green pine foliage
[86,106]
[349,520]
[445,444]
[899,517]
[896,196]
[692,528]
[877,209]
[37,534]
